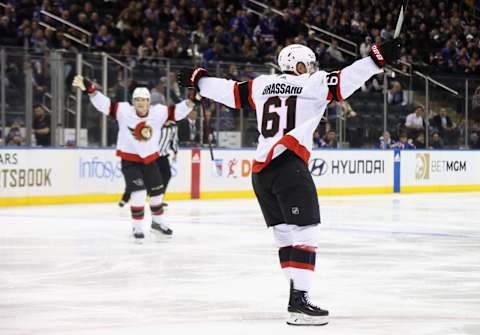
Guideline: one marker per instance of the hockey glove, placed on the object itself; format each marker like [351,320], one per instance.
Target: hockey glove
[385,53]
[84,84]
[190,77]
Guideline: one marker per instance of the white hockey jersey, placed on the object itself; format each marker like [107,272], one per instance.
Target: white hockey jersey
[138,136]
[288,107]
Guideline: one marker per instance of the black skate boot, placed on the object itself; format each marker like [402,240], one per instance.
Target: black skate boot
[162,228]
[303,312]
[138,234]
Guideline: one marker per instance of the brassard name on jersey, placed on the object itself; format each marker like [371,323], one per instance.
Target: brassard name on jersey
[282,88]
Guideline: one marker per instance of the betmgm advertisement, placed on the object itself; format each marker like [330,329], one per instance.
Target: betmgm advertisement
[439,168]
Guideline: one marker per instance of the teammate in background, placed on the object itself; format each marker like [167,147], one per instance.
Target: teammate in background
[289,107]
[168,144]
[137,145]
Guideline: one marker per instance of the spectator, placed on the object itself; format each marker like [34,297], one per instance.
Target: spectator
[317,140]
[127,53]
[124,23]
[41,126]
[374,85]
[189,129]
[41,77]
[39,42]
[419,141]
[396,96]
[104,40]
[199,35]
[175,93]
[436,142]
[444,126]
[415,122]
[334,53]
[448,56]
[7,31]
[475,140]
[264,29]
[147,52]
[157,95]
[239,23]
[441,34]
[213,54]
[14,136]
[329,141]
[249,51]
[385,141]
[473,67]
[404,142]
[82,21]
[365,46]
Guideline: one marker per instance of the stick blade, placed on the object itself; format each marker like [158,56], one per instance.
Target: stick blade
[398,28]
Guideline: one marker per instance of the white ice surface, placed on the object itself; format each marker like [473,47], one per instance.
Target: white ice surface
[391,264]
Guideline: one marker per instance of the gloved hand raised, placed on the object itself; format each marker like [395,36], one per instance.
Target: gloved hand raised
[385,53]
[84,84]
[190,77]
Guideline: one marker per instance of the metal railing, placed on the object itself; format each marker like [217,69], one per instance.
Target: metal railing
[73,117]
[318,30]
[81,31]
[429,80]
[314,29]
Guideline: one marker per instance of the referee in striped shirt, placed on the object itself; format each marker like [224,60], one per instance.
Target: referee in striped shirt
[168,144]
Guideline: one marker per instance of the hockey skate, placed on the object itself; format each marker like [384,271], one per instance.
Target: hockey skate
[303,312]
[138,233]
[137,230]
[161,227]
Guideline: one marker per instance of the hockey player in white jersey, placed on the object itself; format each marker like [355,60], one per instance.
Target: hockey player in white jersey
[289,107]
[137,145]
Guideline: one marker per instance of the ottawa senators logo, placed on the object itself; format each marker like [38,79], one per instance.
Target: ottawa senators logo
[142,132]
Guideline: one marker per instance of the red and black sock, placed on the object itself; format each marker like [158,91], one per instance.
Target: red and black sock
[156,209]
[303,257]
[137,212]
[298,264]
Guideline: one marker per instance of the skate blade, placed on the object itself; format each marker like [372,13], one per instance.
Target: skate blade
[298,319]
[160,233]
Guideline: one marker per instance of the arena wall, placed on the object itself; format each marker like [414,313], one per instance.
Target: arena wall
[54,176]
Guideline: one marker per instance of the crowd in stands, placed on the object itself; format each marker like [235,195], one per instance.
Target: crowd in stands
[443,132]
[442,35]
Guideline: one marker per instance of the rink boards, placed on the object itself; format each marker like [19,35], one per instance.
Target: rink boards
[47,176]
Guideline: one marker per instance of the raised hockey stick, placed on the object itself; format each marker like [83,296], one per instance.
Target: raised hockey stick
[401,16]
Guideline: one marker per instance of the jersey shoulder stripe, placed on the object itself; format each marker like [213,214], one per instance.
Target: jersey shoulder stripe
[333,83]
[112,113]
[171,113]
[243,94]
